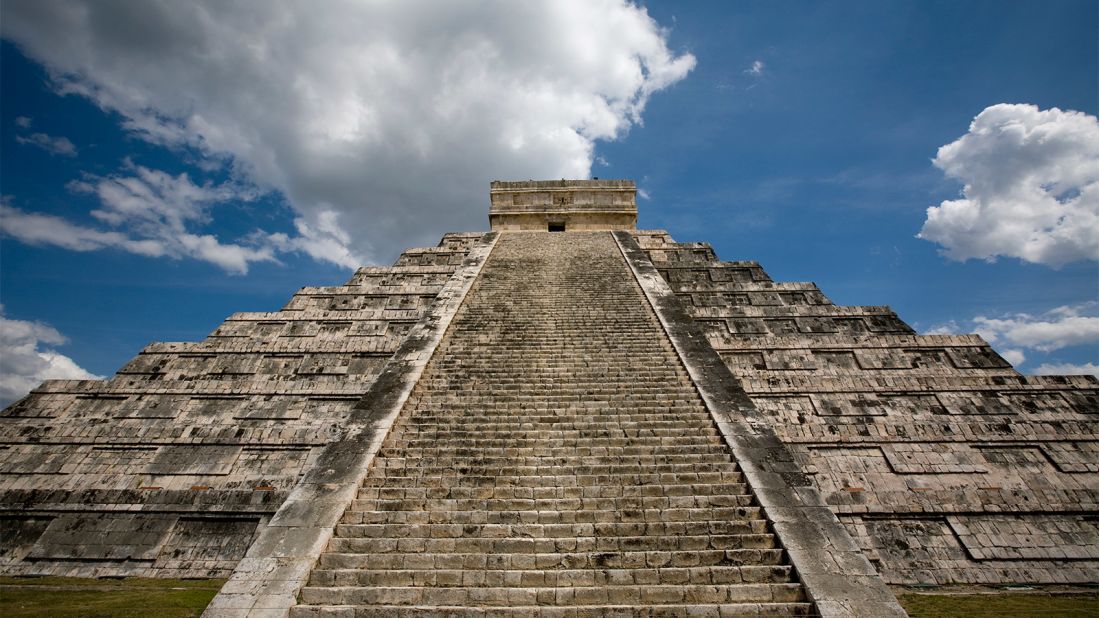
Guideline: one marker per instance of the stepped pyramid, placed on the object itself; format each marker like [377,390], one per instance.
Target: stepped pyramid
[564,416]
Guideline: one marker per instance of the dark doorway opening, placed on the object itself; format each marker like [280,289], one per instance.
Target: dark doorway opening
[557,227]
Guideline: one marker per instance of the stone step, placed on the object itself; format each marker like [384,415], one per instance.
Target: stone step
[623,452]
[549,381]
[710,452]
[519,336]
[552,395]
[466,478]
[552,347]
[612,354]
[580,367]
[580,411]
[710,575]
[587,380]
[533,366]
[562,429]
[602,419]
[468,474]
[646,484]
[546,394]
[664,462]
[574,463]
[549,611]
[559,596]
[404,477]
[553,504]
[546,433]
[525,371]
[548,531]
[640,415]
[365,516]
[576,408]
[519,398]
[525,441]
[548,352]
[576,420]
[465,545]
[573,410]
[333,560]
[412,491]
[551,392]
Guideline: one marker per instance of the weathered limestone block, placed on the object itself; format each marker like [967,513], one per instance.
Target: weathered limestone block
[571,205]
[906,436]
[170,468]
[103,536]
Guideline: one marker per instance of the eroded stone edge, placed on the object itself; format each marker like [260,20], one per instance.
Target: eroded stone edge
[267,580]
[836,574]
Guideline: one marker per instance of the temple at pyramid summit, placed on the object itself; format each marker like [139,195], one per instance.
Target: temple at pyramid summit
[562,416]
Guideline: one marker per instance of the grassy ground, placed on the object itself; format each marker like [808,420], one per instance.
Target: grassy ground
[1000,604]
[100,598]
[175,598]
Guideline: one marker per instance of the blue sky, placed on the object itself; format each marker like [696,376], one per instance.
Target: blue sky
[167,164]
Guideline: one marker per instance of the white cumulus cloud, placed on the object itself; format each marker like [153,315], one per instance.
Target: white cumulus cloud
[1067,369]
[27,358]
[1031,187]
[1014,334]
[381,122]
[1056,329]
[946,328]
[147,212]
[53,145]
[1013,356]
[37,229]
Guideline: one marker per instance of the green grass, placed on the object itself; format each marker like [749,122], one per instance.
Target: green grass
[102,598]
[177,598]
[1001,605]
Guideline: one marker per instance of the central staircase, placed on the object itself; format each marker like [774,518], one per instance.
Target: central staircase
[554,460]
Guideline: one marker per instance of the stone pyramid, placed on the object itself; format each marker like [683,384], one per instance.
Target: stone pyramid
[562,416]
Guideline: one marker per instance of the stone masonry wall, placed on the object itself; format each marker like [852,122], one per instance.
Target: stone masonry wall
[170,467]
[946,464]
